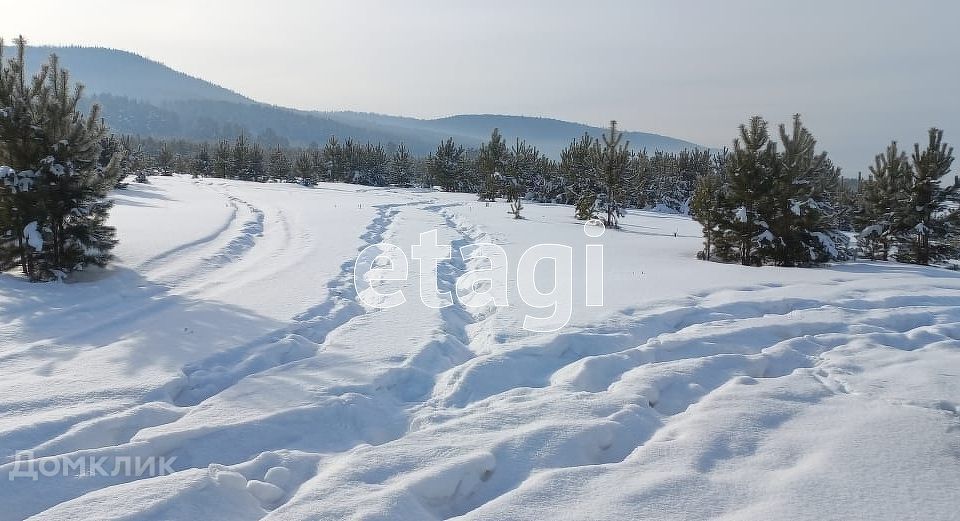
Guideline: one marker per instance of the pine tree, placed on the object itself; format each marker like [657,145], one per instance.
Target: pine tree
[334,160]
[521,162]
[928,220]
[751,171]
[165,158]
[446,166]
[707,208]
[613,164]
[580,177]
[279,166]
[303,169]
[240,162]
[773,206]
[879,217]
[318,165]
[222,159]
[255,169]
[801,214]
[401,167]
[492,166]
[134,162]
[53,203]
[375,166]
[112,147]
[202,165]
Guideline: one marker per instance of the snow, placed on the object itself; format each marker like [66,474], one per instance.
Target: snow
[741,214]
[32,234]
[228,335]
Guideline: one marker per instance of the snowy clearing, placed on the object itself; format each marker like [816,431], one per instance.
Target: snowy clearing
[228,335]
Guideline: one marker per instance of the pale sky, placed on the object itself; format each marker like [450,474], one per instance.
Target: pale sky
[862,72]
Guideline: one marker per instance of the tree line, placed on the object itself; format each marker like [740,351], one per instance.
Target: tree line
[609,178]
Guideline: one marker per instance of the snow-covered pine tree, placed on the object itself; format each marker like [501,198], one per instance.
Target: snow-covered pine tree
[929,221]
[751,172]
[376,165]
[51,160]
[401,167]
[492,163]
[303,169]
[776,207]
[545,184]
[20,145]
[802,215]
[879,218]
[446,165]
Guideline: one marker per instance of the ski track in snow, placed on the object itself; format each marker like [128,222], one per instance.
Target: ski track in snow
[476,420]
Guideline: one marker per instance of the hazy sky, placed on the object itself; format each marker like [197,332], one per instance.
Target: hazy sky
[862,72]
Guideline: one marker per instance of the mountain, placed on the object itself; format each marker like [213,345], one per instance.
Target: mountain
[145,97]
[122,73]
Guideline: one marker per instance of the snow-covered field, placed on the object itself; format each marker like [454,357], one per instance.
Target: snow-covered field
[227,337]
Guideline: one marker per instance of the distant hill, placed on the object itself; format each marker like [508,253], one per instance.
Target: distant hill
[122,73]
[145,97]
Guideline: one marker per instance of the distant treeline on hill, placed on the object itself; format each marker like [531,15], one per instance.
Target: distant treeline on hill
[657,179]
